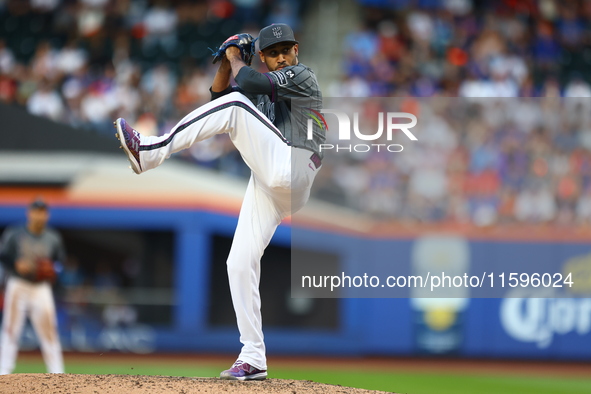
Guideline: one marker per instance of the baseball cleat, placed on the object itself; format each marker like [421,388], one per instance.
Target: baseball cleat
[243,371]
[130,143]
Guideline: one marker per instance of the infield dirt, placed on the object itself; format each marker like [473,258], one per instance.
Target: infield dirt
[136,384]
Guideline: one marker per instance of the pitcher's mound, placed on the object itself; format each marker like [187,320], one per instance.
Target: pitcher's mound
[136,384]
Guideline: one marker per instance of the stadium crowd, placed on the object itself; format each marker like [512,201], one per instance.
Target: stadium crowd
[482,161]
[467,48]
[523,157]
[87,62]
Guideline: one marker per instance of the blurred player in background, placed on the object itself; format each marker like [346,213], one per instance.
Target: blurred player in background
[28,253]
[257,115]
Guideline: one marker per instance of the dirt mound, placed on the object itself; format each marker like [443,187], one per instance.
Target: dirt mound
[136,384]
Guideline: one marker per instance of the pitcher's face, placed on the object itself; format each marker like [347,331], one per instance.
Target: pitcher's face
[279,56]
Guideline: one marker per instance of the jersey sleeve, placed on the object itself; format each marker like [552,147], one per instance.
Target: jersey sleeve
[253,82]
[292,82]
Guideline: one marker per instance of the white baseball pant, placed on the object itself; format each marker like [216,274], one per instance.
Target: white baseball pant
[22,299]
[279,185]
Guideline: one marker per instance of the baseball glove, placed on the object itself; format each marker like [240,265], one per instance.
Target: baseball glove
[243,41]
[44,270]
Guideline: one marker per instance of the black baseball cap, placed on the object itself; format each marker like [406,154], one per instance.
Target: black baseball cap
[38,204]
[275,33]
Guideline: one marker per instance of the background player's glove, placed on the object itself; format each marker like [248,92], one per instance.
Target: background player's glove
[44,270]
[243,41]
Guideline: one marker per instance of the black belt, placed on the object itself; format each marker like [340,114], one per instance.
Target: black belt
[316,160]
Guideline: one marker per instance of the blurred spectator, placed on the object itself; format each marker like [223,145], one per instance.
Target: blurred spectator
[7,60]
[421,27]
[160,22]
[159,84]
[248,11]
[70,58]
[535,204]
[192,91]
[282,11]
[100,101]
[360,46]
[46,101]
[147,124]
[91,16]
[7,89]
[73,90]
[583,208]
[26,84]
[44,62]
[349,87]
[577,87]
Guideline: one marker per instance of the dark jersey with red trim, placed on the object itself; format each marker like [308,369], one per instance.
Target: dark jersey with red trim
[293,105]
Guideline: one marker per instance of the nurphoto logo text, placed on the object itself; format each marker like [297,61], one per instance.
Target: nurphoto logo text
[389,119]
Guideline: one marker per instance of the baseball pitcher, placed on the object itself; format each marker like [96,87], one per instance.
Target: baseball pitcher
[283,161]
[28,252]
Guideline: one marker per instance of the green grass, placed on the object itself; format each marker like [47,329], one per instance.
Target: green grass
[437,383]
[400,382]
[126,368]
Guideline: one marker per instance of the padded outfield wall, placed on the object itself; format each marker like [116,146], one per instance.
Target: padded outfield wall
[199,317]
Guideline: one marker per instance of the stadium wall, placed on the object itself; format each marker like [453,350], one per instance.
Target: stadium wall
[535,327]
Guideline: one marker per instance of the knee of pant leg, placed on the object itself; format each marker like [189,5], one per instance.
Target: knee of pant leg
[237,96]
[280,182]
[238,269]
[241,268]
